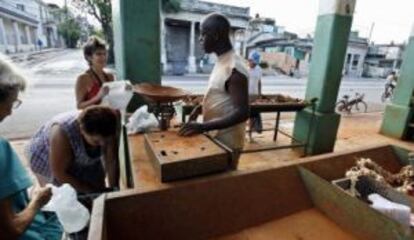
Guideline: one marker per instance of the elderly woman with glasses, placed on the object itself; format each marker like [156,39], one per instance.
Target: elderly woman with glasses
[20,216]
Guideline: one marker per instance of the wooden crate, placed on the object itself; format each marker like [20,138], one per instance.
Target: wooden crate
[289,202]
[176,157]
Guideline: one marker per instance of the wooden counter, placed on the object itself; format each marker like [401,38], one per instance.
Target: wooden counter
[255,204]
[143,175]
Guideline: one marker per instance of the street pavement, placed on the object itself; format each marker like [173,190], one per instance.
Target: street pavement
[52,77]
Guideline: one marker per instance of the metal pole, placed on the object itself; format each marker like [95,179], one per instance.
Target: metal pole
[370,32]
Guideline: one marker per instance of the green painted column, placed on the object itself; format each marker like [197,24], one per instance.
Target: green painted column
[328,56]
[399,114]
[136,25]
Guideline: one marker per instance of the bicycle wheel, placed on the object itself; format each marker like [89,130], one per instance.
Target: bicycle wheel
[340,107]
[360,107]
[384,97]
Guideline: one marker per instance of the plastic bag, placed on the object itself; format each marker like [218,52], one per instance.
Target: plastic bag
[396,211]
[120,94]
[71,213]
[141,121]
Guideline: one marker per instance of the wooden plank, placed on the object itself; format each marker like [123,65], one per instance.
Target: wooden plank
[175,157]
[223,203]
[305,225]
[98,226]
[207,208]
[351,213]
[124,156]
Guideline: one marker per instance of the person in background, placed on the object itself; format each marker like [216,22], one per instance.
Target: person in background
[255,91]
[89,90]
[78,148]
[226,103]
[39,44]
[20,216]
[391,82]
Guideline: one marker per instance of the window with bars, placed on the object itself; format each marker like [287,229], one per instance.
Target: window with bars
[21,7]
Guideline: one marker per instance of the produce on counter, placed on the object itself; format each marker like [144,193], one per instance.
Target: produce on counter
[193,100]
[402,181]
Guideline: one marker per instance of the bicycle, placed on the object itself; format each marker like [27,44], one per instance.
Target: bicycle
[357,104]
[387,94]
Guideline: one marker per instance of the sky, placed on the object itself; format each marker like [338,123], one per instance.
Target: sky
[392,20]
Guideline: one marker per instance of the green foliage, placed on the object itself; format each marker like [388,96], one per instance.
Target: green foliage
[102,11]
[70,31]
[97,32]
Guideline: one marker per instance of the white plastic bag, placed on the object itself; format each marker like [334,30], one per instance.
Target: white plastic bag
[71,213]
[141,121]
[120,94]
[396,211]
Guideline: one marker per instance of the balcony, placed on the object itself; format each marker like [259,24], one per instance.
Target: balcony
[13,10]
[207,7]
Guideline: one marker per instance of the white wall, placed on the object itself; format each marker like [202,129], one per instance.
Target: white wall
[355,71]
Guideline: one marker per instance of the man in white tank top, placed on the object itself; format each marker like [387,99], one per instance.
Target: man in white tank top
[255,91]
[226,103]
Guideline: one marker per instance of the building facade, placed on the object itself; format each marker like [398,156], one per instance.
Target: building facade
[180,49]
[355,55]
[26,23]
[383,59]
[292,55]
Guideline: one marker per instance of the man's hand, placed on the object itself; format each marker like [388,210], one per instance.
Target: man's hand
[42,196]
[190,129]
[194,114]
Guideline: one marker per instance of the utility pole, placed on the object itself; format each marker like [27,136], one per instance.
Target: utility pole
[370,32]
[66,10]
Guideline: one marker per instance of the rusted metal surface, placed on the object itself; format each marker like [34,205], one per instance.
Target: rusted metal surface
[266,103]
[159,94]
[175,157]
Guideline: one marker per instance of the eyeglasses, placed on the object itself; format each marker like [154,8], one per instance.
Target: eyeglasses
[17,103]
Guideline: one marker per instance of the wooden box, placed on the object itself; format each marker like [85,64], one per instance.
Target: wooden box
[287,202]
[176,157]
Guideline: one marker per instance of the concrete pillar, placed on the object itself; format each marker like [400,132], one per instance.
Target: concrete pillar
[192,67]
[394,65]
[3,34]
[351,64]
[29,36]
[163,45]
[328,56]
[17,36]
[136,26]
[361,65]
[398,117]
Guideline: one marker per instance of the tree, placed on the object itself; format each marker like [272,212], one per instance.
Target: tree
[70,31]
[102,11]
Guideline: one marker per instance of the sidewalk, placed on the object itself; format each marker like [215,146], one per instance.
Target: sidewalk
[25,56]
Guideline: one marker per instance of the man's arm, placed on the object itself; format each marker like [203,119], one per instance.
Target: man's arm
[237,87]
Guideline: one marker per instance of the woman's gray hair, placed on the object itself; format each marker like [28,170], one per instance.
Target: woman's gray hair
[11,79]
